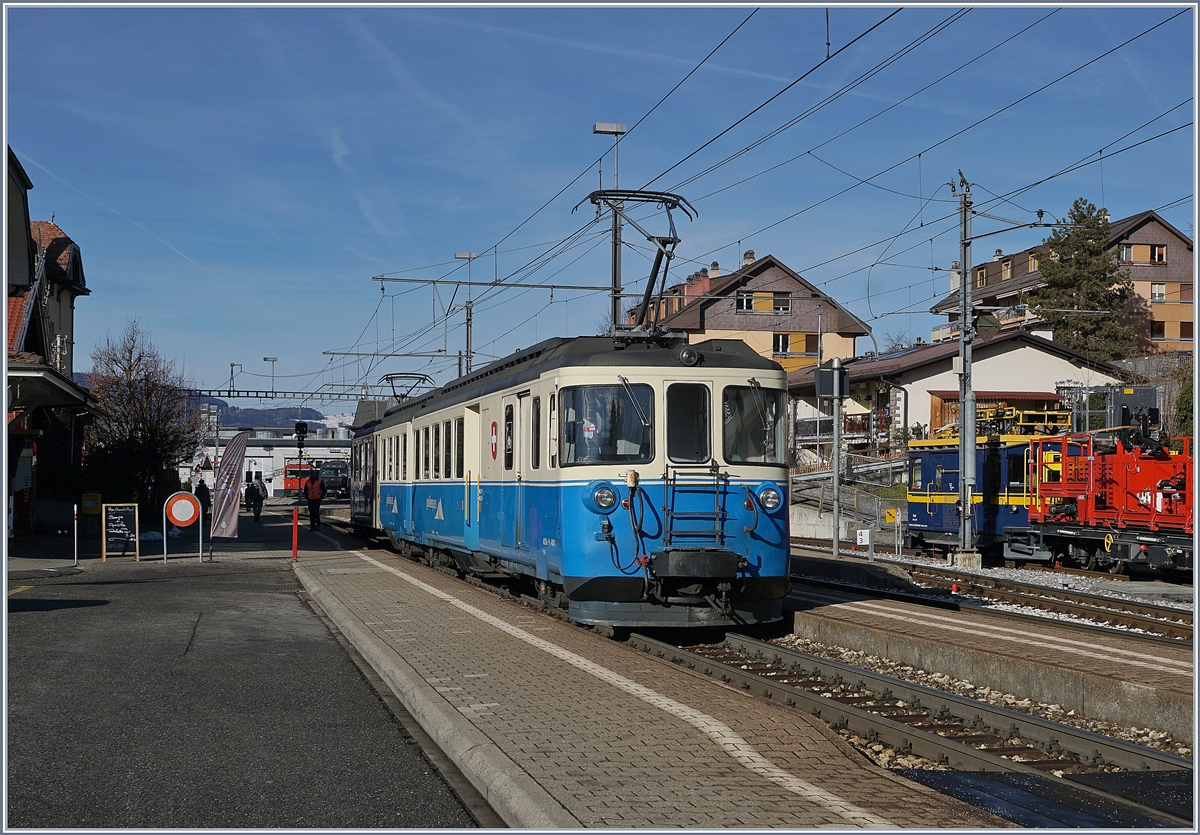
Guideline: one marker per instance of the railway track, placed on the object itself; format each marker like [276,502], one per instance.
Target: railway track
[1164,620]
[1108,613]
[961,733]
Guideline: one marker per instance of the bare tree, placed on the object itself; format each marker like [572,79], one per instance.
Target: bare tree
[896,341]
[147,421]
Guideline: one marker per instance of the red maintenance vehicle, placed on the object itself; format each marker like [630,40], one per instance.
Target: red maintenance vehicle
[1112,498]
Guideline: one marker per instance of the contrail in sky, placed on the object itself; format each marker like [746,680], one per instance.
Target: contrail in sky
[110,208]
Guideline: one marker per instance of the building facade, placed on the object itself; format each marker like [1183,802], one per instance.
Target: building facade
[769,307]
[1157,256]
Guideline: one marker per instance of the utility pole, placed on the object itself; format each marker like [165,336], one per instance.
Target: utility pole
[837,455]
[966,555]
[468,257]
[616,131]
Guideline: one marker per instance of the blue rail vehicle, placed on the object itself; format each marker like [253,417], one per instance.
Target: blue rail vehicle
[633,481]
[1001,498]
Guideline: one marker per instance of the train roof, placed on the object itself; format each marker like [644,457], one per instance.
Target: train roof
[579,351]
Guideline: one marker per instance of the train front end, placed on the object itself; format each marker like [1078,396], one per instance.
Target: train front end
[674,491]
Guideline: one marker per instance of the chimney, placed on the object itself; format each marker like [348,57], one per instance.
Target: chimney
[715,270]
[748,258]
[999,254]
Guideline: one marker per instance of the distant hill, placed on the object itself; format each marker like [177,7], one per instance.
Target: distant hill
[282,417]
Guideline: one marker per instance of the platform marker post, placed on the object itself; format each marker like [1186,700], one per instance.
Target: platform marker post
[75,517]
[295,531]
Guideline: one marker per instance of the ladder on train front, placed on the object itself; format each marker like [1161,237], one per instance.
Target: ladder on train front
[694,512]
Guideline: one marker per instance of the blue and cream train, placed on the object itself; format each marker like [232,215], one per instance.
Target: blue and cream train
[634,481]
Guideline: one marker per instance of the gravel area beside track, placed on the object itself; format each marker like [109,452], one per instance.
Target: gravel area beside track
[1147,737]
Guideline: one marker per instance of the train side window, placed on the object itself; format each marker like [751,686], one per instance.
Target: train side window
[553,436]
[535,449]
[459,447]
[508,437]
[688,429]
[914,475]
[404,456]
[437,452]
[1016,469]
[447,449]
[391,455]
[425,452]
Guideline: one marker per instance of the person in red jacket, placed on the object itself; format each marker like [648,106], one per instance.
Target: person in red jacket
[314,490]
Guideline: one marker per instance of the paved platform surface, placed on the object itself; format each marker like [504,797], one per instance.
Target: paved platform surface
[560,728]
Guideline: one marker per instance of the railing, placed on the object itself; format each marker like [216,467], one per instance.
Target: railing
[854,503]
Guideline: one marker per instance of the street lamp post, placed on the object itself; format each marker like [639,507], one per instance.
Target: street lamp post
[615,130]
[272,360]
[468,257]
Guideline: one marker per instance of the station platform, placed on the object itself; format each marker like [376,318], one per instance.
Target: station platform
[558,727]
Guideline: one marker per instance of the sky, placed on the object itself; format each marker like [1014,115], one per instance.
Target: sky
[236,177]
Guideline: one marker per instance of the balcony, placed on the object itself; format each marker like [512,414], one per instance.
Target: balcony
[1010,317]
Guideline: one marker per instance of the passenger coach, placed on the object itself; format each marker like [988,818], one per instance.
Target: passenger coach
[634,481]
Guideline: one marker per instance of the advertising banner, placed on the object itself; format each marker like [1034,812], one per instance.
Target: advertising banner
[227,488]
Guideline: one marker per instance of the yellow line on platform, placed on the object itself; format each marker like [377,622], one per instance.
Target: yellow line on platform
[13,591]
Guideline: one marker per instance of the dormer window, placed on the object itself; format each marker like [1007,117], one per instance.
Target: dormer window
[1006,271]
[981,278]
[1033,262]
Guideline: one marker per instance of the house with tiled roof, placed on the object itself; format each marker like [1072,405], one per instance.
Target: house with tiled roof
[917,388]
[1157,256]
[768,306]
[47,409]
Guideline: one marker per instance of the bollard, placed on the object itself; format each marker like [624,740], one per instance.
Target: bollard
[295,530]
[75,519]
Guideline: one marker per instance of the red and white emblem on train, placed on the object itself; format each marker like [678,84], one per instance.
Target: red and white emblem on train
[495,439]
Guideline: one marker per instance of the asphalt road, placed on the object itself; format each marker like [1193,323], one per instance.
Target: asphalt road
[199,696]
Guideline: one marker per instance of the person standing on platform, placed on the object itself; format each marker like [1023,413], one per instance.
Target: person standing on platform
[314,491]
[256,493]
[204,497]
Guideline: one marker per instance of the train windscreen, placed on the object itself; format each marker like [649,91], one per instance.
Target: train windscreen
[607,425]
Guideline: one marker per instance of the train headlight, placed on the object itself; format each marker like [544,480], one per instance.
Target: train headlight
[600,497]
[770,498]
[604,497]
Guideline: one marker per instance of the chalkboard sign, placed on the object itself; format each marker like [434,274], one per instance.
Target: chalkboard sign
[120,531]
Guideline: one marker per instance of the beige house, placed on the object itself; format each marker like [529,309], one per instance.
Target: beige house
[766,305]
[1157,256]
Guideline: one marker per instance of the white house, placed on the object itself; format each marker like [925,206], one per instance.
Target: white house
[918,385]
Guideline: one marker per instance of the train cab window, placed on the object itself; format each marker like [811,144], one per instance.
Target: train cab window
[606,425]
[437,452]
[753,425]
[425,452]
[914,475]
[535,446]
[508,437]
[447,449]
[404,456]
[688,425]
[459,448]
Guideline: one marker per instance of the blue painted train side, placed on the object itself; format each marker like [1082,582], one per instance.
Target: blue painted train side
[1001,500]
[635,484]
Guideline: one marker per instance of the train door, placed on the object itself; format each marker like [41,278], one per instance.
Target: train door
[510,472]
[471,475]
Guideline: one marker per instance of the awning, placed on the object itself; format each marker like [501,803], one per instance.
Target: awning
[41,386]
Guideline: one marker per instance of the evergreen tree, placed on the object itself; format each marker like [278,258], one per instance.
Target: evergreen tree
[1082,274]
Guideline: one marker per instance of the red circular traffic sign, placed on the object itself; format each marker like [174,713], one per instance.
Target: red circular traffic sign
[182,509]
[495,438]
